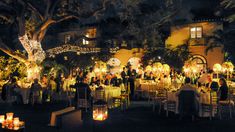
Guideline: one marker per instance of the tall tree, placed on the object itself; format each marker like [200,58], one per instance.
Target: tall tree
[33,18]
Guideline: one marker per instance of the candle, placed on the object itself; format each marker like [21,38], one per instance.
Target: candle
[16,121]
[2,118]
[9,117]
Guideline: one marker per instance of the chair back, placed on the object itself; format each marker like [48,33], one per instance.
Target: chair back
[213,98]
[100,94]
[187,102]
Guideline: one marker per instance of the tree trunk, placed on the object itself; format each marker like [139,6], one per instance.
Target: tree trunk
[33,48]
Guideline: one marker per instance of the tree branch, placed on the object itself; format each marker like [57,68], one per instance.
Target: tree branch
[66,18]
[46,14]
[11,53]
[52,9]
[95,12]
[35,10]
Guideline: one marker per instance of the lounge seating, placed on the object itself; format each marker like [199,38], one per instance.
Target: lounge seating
[55,114]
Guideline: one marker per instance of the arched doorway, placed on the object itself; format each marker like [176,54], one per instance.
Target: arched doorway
[200,61]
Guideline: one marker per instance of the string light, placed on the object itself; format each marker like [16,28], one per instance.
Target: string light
[77,49]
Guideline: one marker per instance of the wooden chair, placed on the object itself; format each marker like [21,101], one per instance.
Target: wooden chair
[152,91]
[122,100]
[212,106]
[160,98]
[170,105]
[83,102]
[226,105]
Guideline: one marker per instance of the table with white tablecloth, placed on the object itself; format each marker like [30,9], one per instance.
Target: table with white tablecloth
[109,91]
[145,86]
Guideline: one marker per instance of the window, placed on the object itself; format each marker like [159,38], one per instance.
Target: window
[84,41]
[90,33]
[67,38]
[196,32]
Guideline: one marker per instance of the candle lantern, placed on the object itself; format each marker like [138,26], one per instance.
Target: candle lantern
[16,122]
[100,110]
[9,117]
[2,118]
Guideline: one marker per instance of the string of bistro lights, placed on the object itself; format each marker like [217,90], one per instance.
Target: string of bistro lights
[79,50]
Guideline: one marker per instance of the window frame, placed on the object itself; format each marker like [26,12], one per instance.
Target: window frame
[196,32]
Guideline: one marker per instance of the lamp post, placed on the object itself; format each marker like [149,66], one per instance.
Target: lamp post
[217,68]
[227,67]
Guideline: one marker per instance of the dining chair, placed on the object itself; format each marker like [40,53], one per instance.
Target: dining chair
[170,105]
[212,106]
[160,98]
[83,101]
[226,106]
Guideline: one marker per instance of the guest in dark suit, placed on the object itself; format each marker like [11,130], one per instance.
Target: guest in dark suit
[132,74]
[83,90]
[124,76]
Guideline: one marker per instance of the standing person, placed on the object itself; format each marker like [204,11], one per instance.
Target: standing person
[132,74]
[35,92]
[59,83]
[83,91]
[223,90]
[124,76]
[11,92]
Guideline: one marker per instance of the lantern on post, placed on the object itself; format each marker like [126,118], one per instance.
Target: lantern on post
[100,110]
[217,68]
[227,68]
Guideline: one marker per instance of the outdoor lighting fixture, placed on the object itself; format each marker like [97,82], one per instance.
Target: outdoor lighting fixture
[9,117]
[16,121]
[227,67]
[217,68]
[100,110]
[2,118]
[11,123]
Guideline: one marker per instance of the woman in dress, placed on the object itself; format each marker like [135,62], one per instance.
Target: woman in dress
[223,90]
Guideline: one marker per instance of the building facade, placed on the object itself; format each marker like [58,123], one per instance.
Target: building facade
[196,35]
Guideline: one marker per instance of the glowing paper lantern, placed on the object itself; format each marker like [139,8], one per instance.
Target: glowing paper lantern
[148,68]
[217,68]
[166,68]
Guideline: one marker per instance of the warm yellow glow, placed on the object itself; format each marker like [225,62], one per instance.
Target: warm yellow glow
[103,70]
[9,117]
[2,118]
[16,121]
[227,67]
[100,115]
[217,68]
[166,68]
[97,70]
[33,72]
[148,68]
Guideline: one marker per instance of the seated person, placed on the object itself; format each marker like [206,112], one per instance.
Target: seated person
[187,87]
[150,77]
[223,90]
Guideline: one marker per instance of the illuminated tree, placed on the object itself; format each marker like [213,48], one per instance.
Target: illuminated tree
[33,18]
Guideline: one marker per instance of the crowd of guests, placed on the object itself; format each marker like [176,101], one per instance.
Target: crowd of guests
[43,90]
